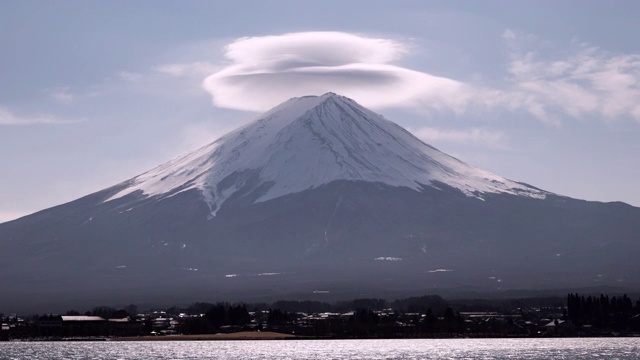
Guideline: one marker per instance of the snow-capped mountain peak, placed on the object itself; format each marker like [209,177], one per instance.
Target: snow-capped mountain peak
[311,141]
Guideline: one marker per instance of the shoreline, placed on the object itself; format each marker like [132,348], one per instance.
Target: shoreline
[243,335]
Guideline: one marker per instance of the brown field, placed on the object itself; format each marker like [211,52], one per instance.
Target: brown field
[243,335]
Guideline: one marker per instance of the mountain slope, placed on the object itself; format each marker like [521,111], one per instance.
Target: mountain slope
[310,141]
[318,195]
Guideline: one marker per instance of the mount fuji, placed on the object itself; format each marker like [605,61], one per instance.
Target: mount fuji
[317,197]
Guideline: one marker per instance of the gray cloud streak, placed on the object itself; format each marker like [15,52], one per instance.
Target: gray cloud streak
[7,117]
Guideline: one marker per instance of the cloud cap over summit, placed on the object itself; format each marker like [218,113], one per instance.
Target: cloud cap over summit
[265,71]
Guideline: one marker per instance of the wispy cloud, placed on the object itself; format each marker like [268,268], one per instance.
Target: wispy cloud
[62,95]
[585,82]
[9,118]
[129,76]
[193,68]
[473,135]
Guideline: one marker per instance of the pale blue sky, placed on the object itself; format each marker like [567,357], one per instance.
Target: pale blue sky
[95,92]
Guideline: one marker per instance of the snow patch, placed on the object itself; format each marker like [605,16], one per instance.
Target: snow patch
[260,274]
[268,274]
[439,270]
[388,258]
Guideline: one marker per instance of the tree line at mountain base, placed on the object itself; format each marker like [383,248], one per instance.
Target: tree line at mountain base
[415,317]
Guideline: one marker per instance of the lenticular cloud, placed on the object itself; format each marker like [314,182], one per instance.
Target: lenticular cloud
[265,71]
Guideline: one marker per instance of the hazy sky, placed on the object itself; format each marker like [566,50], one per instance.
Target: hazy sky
[95,92]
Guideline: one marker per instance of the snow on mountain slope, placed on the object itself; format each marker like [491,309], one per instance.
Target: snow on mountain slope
[310,141]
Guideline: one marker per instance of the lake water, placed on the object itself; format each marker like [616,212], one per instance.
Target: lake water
[574,348]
